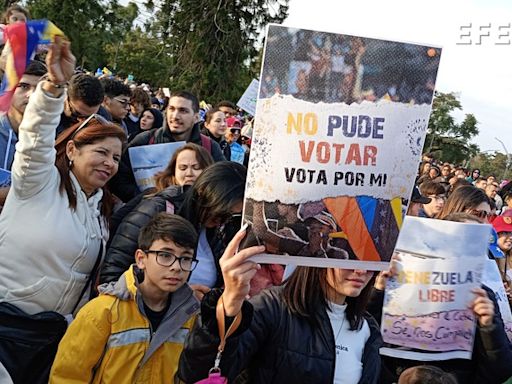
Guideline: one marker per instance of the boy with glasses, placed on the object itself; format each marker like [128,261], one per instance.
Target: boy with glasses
[117,100]
[136,328]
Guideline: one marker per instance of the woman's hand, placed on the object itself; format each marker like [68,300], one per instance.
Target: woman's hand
[237,272]
[483,307]
[382,277]
[61,65]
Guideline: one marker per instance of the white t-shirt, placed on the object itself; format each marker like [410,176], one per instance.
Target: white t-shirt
[206,271]
[349,346]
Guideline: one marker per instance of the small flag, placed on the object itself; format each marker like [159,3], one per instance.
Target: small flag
[21,44]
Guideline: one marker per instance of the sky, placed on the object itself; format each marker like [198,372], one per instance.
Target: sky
[480,73]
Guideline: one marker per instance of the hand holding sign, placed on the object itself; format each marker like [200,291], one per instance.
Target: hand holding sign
[483,307]
[237,271]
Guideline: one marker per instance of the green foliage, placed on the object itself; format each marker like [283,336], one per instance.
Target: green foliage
[494,163]
[89,24]
[450,141]
[141,55]
[209,47]
[213,42]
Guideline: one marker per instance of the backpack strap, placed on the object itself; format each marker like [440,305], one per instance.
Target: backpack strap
[206,143]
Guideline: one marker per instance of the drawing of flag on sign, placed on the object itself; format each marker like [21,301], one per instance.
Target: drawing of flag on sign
[371,225]
[21,43]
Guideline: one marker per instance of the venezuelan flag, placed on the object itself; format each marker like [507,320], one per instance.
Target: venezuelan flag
[21,43]
[371,225]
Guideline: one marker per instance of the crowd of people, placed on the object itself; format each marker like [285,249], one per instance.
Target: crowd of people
[101,282]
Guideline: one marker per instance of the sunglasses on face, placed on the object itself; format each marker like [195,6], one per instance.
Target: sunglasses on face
[100,119]
[481,214]
[75,115]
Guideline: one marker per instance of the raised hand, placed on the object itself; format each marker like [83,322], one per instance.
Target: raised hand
[483,307]
[237,272]
[60,61]
[382,277]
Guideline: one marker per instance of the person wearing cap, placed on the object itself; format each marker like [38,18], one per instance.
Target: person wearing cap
[232,137]
[437,194]
[503,227]
[417,201]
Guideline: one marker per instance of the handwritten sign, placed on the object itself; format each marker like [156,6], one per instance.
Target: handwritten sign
[250,97]
[425,314]
[426,307]
[148,160]
[335,148]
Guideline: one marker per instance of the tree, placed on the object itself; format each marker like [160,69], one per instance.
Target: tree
[212,43]
[450,140]
[494,163]
[89,24]
[142,55]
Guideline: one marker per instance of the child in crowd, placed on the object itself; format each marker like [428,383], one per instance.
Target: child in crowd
[135,330]
[423,374]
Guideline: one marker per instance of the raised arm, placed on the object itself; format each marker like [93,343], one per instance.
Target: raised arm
[33,167]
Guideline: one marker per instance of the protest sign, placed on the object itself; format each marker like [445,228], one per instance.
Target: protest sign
[148,160]
[248,100]
[334,152]
[492,279]
[425,314]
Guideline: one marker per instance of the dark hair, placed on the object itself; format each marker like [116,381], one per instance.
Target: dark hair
[189,96]
[480,179]
[463,199]
[140,96]
[422,374]
[433,167]
[459,183]
[86,88]
[214,193]
[209,114]
[226,103]
[431,188]
[164,226]
[35,68]
[11,9]
[306,289]
[115,88]
[167,177]
[422,167]
[462,217]
[159,117]
[91,134]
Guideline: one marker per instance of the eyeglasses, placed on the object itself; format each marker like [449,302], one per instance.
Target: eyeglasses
[75,115]
[124,103]
[480,214]
[235,130]
[437,197]
[100,119]
[167,259]
[505,234]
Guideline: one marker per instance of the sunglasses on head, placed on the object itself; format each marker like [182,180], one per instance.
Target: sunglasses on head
[100,119]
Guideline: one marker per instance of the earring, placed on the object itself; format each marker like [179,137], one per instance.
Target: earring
[70,164]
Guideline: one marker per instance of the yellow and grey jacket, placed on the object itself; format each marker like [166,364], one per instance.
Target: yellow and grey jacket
[111,340]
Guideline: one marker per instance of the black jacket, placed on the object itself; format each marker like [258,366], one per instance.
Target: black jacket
[489,364]
[123,244]
[223,144]
[271,344]
[123,184]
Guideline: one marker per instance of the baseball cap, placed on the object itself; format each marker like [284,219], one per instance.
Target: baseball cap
[417,197]
[233,122]
[502,224]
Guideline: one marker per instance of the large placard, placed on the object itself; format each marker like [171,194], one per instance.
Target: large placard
[338,133]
